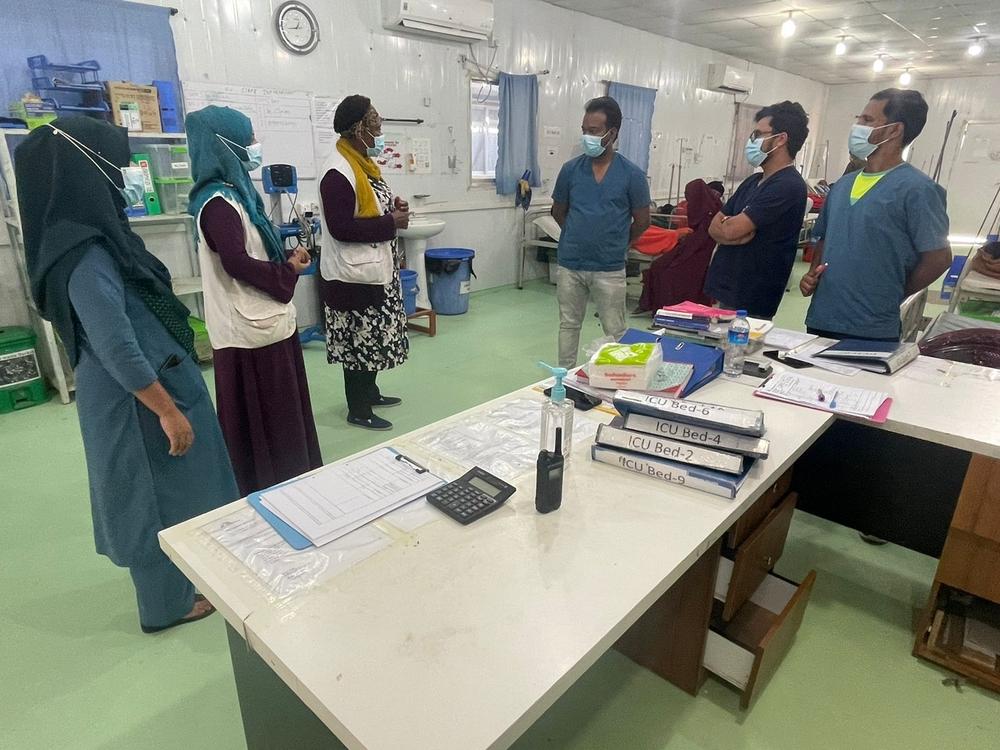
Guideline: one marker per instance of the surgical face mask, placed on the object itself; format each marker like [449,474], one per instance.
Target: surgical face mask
[378,145]
[133,178]
[593,145]
[858,143]
[254,153]
[754,150]
[255,157]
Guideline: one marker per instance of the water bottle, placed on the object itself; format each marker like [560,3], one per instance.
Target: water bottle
[736,344]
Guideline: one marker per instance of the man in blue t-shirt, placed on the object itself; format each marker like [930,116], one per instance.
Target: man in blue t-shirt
[883,231]
[601,201]
[758,228]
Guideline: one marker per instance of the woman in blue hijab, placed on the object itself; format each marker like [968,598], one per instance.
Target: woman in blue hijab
[261,390]
[155,456]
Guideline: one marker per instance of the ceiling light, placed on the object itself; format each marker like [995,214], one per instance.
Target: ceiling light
[976,48]
[905,78]
[788,27]
[841,47]
[879,65]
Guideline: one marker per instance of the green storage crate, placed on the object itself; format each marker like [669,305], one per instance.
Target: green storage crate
[173,192]
[21,383]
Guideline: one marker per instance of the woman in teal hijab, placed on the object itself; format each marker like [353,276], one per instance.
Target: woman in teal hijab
[155,456]
[248,278]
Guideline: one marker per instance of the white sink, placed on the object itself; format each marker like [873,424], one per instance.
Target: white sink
[422,229]
[415,239]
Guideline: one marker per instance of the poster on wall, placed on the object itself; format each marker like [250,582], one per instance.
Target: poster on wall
[324,136]
[420,156]
[393,159]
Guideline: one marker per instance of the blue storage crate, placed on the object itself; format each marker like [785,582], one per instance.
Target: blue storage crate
[69,87]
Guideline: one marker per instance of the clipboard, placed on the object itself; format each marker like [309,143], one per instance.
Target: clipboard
[291,535]
[294,538]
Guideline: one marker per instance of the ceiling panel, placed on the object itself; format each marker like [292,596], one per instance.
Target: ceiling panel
[931,36]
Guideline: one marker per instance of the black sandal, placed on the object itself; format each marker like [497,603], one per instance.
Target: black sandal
[182,621]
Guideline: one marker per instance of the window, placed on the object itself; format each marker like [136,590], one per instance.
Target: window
[743,125]
[485,109]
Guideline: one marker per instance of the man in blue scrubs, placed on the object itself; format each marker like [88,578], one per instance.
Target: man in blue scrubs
[883,231]
[601,201]
[758,228]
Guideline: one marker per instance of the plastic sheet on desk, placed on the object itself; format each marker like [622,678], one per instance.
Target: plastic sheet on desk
[521,415]
[412,516]
[502,452]
[504,440]
[943,372]
[281,570]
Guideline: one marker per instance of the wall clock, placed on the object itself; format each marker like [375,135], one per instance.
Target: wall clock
[297,27]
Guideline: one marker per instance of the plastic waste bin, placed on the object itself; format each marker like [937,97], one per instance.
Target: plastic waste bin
[449,272]
[408,281]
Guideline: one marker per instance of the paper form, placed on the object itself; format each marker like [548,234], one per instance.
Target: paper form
[819,394]
[782,338]
[342,497]
[325,137]
[807,353]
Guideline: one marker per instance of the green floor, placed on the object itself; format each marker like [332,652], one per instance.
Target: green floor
[75,673]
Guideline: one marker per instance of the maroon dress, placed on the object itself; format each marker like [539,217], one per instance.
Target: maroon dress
[679,276]
[262,395]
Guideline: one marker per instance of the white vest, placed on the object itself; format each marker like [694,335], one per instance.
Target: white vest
[356,262]
[237,314]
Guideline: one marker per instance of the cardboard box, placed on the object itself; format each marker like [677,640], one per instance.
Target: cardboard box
[135,107]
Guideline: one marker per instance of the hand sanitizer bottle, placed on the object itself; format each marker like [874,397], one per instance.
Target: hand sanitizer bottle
[557,414]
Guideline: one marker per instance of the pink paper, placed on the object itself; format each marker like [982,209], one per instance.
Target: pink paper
[703,311]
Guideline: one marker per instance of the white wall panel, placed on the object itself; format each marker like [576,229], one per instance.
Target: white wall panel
[974,98]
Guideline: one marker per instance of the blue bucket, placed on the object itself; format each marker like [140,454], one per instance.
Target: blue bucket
[449,270]
[408,281]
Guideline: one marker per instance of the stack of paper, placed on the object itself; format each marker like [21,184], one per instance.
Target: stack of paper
[342,497]
[818,394]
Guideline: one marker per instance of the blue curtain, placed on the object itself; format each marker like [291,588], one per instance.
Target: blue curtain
[132,42]
[637,121]
[517,147]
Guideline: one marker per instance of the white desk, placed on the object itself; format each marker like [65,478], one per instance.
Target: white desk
[948,403]
[459,638]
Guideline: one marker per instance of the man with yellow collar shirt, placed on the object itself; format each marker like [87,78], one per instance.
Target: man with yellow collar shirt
[883,231]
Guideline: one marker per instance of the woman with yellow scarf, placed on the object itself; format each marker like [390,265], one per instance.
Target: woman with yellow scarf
[362,297]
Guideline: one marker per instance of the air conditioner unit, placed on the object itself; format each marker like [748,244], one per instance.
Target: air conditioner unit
[463,21]
[729,79]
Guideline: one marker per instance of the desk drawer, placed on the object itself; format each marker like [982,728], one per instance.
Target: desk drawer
[758,511]
[756,556]
[746,651]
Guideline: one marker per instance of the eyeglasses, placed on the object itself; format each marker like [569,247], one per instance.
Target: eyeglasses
[756,135]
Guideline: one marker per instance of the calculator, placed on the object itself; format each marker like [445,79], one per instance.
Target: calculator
[473,495]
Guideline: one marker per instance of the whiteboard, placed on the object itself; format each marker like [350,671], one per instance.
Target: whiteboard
[281,120]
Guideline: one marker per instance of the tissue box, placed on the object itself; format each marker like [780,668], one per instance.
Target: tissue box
[629,367]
